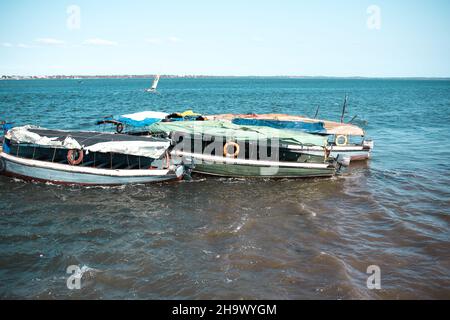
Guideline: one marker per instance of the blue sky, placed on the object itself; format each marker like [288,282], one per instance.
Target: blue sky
[227,37]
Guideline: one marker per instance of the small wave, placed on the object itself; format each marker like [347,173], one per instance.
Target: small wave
[17,180]
[120,187]
[308,210]
[238,226]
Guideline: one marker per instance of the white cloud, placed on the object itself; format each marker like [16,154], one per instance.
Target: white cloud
[100,42]
[49,41]
[22,45]
[153,40]
[7,44]
[174,39]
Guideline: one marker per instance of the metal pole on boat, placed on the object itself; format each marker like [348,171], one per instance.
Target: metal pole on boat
[317,112]
[343,108]
[354,117]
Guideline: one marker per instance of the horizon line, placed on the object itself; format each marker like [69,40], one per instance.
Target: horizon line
[68,76]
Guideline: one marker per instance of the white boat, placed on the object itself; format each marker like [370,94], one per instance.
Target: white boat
[154,84]
[86,158]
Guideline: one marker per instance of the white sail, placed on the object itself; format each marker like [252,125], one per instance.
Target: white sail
[155,83]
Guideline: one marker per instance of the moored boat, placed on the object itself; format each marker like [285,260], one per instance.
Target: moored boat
[224,149]
[247,168]
[343,138]
[86,158]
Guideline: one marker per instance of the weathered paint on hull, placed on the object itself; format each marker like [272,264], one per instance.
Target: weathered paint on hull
[354,155]
[251,171]
[25,172]
[354,152]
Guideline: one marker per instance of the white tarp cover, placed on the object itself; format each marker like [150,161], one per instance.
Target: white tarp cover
[22,135]
[152,149]
[140,116]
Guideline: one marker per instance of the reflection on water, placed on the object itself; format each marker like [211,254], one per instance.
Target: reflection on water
[238,238]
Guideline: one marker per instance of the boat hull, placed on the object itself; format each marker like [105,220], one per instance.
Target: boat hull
[251,171]
[35,170]
[241,168]
[355,153]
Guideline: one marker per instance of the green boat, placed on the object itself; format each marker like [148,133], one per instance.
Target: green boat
[252,171]
[246,168]
[223,149]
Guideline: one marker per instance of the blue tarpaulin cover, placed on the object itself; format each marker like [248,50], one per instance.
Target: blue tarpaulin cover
[147,118]
[316,127]
[136,123]
[139,119]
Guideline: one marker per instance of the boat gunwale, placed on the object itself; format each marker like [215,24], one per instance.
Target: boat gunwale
[85,170]
[262,163]
[324,175]
[334,148]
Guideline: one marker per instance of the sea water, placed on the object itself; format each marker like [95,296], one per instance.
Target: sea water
[238,238]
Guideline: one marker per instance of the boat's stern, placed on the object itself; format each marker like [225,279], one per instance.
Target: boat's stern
[368,144]
[179,171]
[341,161]
[368,147]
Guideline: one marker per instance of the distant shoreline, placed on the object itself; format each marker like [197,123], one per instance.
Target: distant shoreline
[150,76]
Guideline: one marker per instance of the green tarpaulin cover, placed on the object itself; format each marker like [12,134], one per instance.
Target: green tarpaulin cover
[238,132]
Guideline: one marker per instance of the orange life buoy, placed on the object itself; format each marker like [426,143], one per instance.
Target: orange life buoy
[75,153]
[236,149]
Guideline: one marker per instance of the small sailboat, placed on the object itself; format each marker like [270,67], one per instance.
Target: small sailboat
[154,84]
